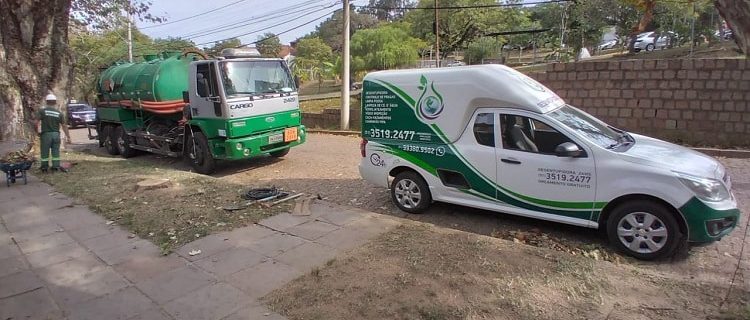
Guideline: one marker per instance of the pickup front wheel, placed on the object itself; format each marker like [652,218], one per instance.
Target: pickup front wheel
[199,154]
[644,229]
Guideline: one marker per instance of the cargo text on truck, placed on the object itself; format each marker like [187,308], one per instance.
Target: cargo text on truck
[183,104]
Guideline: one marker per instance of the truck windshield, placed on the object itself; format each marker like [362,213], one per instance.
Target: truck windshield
[589,127]
[255,77]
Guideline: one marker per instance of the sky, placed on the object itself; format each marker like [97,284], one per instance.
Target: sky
[245,19]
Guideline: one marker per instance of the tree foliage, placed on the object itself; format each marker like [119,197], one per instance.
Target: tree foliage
[215,50]
[460,27]
[331,29]
[480,49]
[269,45]
[313,49]
[387,46]
[388,10]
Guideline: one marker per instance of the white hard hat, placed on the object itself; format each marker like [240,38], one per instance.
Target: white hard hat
[51,97]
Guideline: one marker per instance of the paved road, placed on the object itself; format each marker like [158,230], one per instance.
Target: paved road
[59,260]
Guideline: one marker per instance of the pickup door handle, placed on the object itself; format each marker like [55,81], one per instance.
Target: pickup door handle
[511,161]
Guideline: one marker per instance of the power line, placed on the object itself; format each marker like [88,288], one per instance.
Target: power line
[252,21]
[193,16]
[244,22]
[294,28]
[498,5]
[275,25]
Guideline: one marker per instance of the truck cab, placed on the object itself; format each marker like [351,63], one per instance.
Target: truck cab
[244,106]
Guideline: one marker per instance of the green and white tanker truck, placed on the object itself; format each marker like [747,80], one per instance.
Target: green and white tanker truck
[182,104]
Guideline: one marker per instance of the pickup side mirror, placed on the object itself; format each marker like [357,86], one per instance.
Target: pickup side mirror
[568,149]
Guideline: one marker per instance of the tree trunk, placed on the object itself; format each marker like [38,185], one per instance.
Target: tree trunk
[34,61]
[737,15]
[648,16]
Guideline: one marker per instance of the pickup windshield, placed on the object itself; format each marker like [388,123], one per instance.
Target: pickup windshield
[255,77]
[590,128]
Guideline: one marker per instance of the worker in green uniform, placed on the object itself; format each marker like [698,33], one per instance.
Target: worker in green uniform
[49,122]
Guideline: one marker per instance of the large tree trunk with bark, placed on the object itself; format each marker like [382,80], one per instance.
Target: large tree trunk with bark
[34,61]
[737,15]
[648,16]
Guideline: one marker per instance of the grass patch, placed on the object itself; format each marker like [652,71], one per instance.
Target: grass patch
[190,208]
[317,106]
[312,87]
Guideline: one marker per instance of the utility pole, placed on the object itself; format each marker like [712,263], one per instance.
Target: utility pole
[437,37]
[345,85]
[130,35]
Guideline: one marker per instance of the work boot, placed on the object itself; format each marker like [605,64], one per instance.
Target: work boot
[63,170]
[44,170]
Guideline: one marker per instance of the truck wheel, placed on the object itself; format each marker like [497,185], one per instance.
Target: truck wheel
[280,153]
[410,192]
[199,154]
[109,141]
[122,141]
[644,229]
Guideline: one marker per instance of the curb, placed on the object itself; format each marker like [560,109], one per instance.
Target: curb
[726,153]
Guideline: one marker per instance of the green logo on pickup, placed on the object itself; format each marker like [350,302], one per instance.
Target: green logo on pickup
[430,103]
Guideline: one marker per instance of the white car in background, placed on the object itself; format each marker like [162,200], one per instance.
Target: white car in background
[606,45]
[652,40]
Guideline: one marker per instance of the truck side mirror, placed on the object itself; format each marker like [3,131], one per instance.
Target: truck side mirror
[185,97]
[568,149]
[296,82]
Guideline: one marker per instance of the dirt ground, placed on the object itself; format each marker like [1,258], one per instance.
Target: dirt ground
[477,277]
[187,207]
[326,165]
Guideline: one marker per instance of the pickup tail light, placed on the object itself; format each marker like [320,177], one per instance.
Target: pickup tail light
[362,147]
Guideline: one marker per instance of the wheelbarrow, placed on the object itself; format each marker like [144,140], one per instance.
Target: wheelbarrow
[16,171]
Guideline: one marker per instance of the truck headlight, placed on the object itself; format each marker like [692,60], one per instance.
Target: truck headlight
[239,146]
[705,189]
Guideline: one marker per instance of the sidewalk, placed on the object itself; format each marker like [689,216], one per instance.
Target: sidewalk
[58,260]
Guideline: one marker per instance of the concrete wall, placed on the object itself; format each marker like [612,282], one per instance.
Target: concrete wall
[702,102]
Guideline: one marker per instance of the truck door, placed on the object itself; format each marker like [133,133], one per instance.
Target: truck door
[205,96]
[531,176]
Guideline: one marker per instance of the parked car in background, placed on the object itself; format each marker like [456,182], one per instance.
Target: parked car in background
[727,34]
[80,114]
[652,40]
[606,45]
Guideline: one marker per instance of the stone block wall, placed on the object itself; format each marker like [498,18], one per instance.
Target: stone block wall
[700,102]
[330,118]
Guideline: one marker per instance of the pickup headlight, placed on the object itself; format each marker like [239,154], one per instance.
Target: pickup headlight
[705,189]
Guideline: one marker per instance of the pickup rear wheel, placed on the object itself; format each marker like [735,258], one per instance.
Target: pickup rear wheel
[199,154]
[122,142]
[108,140]
[644,229]
[410,192]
